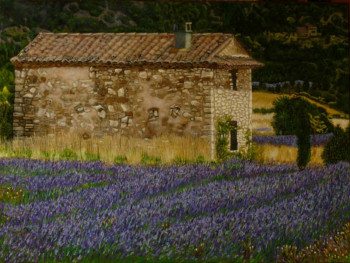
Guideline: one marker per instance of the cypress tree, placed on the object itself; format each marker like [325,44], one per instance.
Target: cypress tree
[303,130]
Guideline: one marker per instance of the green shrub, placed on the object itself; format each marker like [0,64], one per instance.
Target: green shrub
[150,160]
[68,154]
[337,148]
[263,110]
[224,127]
[285,118]
[249,152]
[181,161]
[5,130]
[92,156]
[120,159]
[47,155]
[23,153]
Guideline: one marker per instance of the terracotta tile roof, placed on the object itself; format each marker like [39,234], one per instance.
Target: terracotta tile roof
[207,50]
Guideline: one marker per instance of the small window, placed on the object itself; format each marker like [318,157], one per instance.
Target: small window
[234,79]
[233,136]
[153,114]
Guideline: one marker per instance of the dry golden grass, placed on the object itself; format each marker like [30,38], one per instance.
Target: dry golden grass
[343,123]
[287,154]
[265,99]
[108,147]
[262,121]
[167,148]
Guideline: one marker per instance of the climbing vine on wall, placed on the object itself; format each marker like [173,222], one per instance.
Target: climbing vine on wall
[251,151]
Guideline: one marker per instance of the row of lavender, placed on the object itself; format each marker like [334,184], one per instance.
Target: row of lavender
[169,210]
[291,140]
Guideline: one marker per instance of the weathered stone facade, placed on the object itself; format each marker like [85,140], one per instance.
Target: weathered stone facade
[135,101]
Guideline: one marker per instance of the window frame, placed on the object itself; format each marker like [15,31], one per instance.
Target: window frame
[234,79]
[235,133]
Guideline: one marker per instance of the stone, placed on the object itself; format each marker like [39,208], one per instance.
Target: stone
[187,115]
[111,108]
[143,74]
[28,95]
[121,92]
[32,90]
[194,103]
[99,108]
[118,70]
[79,108]
[17,109]
[62,122]
[113,123]
[157,78]
[125,119]
[102,114]
[124,107]
[207,74]
[174,111]
[111,91]
[127,72]
[19,81]
[187,84]
[19,87]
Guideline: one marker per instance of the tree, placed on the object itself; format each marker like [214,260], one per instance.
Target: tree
[5,115]
[317,126]
[303,130]
[337,148]
[284,121]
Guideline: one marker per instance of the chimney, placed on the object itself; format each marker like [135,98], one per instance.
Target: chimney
[183,37]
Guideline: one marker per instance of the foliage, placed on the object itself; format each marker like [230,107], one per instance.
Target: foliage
[150,160]
[224,127]
[285,119]
[337,148]
[303,130]
[92,156]
[68,154]
[249,152]
[6,110]
[120,159]
[263,110]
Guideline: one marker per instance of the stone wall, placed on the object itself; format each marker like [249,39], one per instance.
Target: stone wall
[235,103]
[139,102]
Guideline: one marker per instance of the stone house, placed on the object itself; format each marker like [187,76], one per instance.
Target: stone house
[138,84]
[308,30]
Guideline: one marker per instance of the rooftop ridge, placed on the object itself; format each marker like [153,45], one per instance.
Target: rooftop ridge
[129,48]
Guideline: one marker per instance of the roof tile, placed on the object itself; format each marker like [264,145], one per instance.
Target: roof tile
[129,48]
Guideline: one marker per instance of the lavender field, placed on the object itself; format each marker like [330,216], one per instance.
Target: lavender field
[68,211]
[291,140]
